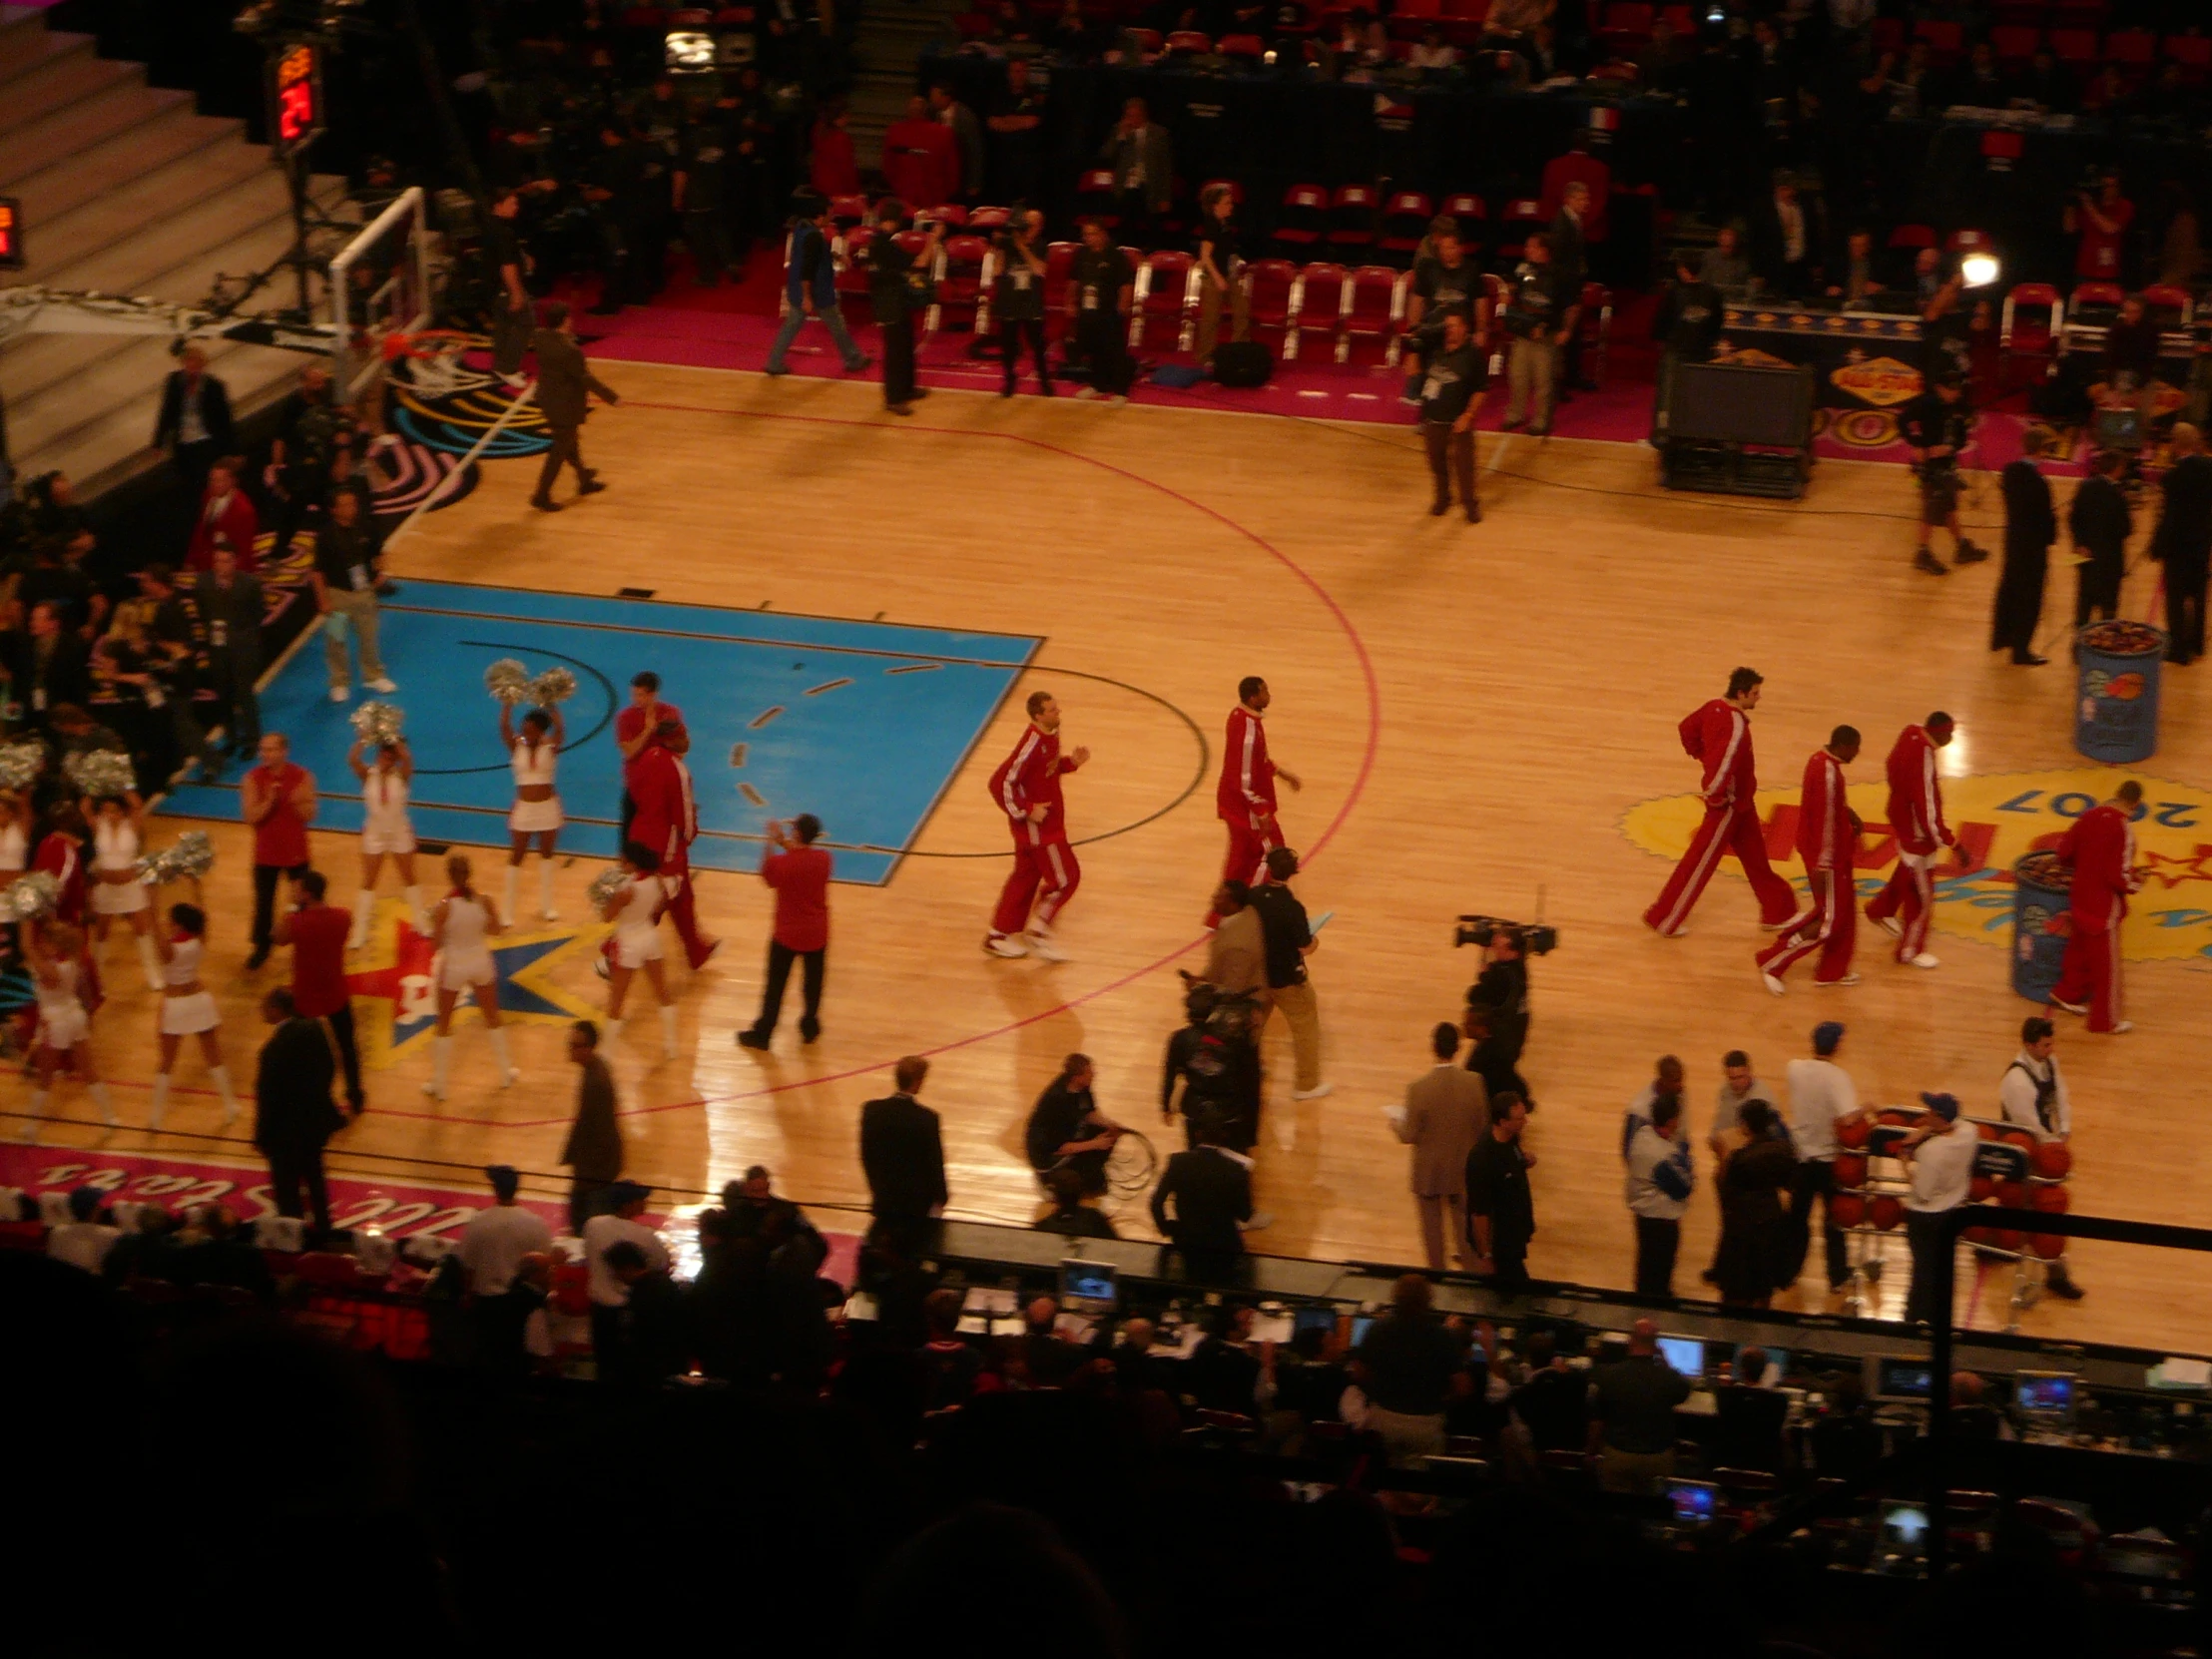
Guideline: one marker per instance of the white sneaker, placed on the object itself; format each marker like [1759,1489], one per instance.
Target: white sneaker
[1831,984]
[2070,1007]
[1087,392]
[2123,1025]
[1317,1092]
[338,694]
[1773,984]
[1004,944]
[1042,948]
[1923,960]
[1260,1222]
[1118,399]
[1891,925]
[431,1089]
[382,687]
[512,1077]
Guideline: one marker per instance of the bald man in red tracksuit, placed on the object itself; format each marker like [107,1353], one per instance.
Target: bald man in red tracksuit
[1245,796]
[667,820]
[1718,736]
[1026,786]
[2101,847]
[1916,813]
[1827,836]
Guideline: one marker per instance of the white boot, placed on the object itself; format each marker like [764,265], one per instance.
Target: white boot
[441,1067]
[364,915]
[160,1100]
[668,1030]
[545,890]
[222,1076]
[149,961]
[100,1099]
[508,1076]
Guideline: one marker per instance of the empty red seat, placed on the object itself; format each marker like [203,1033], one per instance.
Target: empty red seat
[2015,44]
[2168,307]
[1945,39]
[1913,236]
[1240,46]
[1304,219]
[1374,308]
[1094,196]
[847,211]
[960,280]
[1521,216]
[1405,218]
[1317,305]
[1268,285]
[1351,218]
[1628,24]
[1189,43]
[2075,46]
[1163,303]
[1469,211]
[852,273]
[1059,267]
[1595,328]
[2031,319]
[2194,54]
[2133,49]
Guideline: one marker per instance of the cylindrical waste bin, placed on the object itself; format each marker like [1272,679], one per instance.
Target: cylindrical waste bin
[2116,702]
[2040,897]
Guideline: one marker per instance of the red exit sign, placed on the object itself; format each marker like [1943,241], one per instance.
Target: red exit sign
[11,234]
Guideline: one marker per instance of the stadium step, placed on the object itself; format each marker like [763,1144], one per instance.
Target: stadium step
[888,54]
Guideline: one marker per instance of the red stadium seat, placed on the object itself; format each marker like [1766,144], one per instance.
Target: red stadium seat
[1189,43]
[2077,47]
[1405,218]
[1304,218]
[1967,242]
[1521,216]
[1166,295]
[989,221]
[1236,190]
[1888,34]
[1317,305]
[1148,41]
[1240,46]
[1914,236]
[960,282]
[2194,54]
[972,25]
[2027,327]
[2133,50]
[1946,40]
[1595,329]
[1628,24]
[2168,307]
[1373,310]
[847,211]
[852,273]
[1351,218]
[2015,44]
[915,242]
[950,214]
[1059,267]
[1094,196]
[1471,213]
[1268,285]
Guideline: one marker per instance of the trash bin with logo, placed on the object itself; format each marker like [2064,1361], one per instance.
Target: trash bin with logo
[2040,885]
[2116,704]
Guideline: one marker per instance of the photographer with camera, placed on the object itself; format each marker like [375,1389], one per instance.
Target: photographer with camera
[1540,312]
[1500,996]
[1018,297]
[898,284]
[1937,426]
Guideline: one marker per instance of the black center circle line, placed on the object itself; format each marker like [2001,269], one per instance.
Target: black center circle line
[1198,777]
[607,713]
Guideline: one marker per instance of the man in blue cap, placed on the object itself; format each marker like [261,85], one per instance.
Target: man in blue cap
[1940,1152]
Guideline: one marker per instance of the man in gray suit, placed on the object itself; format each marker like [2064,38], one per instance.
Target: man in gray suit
[564,380]
[1143,162]
[1447,1111]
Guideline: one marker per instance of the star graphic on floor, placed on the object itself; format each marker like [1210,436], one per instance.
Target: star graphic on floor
[394,995]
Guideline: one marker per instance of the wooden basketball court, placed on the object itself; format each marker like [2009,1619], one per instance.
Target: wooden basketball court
[1477,714]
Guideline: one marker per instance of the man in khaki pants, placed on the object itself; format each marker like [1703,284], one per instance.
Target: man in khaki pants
[1447,1111]
[1290,940]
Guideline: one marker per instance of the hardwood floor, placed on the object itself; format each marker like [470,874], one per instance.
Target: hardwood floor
[1475,713]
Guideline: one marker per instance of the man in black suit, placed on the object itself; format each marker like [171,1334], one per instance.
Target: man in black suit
[2030,526]
[1785,232]
[194,424]
[902,1152]
[2183,542]
[2100,521]
[51,670]
[1211,1189]
[1570,258]
[564,381]
[293,1114]
[230,604]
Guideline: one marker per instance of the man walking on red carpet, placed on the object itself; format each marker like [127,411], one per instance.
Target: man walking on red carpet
[667,820]
[1916,813]
[1026,786]
[2101,847]
[1827,837]
[1718,736]
[1245,796]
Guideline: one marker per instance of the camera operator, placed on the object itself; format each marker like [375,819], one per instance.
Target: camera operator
[899,284]
[1937,426]
[1444,280]
[1540,312]
[1500,996]
[1018,297]
[1067,1131]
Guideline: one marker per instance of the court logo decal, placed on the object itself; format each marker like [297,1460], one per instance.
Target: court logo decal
[2000,818]
[395,1004]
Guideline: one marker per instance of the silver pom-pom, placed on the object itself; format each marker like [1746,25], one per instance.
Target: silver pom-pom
[21,763]
[507,680]
[378,723]
[189,858]
[30,897]
[605,886]
[103,774]
[555,685]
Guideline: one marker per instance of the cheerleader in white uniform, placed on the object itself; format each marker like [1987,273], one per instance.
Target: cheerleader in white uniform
[118,831]
[636,912]
[15,834]
[54,952]
[534,753]
[462,927]
[187,1009]
[387,832]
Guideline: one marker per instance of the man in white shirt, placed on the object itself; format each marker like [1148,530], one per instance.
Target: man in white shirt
[494,1243]
[2033,1095]
[1822,1098]
[1941,1153]
[617,1223]
[81,1241]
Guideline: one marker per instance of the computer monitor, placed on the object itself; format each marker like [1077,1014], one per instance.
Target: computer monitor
[1091,1286]
[1692,1502]
[1905,1529]
[2045,1396]
[1359,1328]
[1314,1319]
[1685,1354]
[1899,1377]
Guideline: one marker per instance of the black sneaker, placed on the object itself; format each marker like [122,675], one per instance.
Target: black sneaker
[1924,560]
[1969,554]
[2060,1282]
[1440,506]
[753,1039]
[254,961]
[808,1030]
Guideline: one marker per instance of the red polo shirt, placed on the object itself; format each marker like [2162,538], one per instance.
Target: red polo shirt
[281,837]
[319,959]
[800,878]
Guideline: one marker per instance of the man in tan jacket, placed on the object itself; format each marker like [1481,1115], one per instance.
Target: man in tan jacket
[1447,1111]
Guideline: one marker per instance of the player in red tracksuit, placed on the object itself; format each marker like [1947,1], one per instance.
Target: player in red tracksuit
[1026,786]
[1915,812]
[1719,737]
[1245,796]
[667,820]
[2101,847]
[1827,836]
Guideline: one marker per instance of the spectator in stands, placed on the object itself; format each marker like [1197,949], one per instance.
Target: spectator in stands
[2100,520]
[195,424]
[1219,245]
[1724,266]
[145,1252]
[230,606]
[493,1248]
[1660,65]
[1358,48]
[54,669]
[1540,312]
[214,1249]
[1069,1214]
[1409,1366]
[1455,371]
[1657,1154]
[1018,298]
[2180,247]
[1786,238]
[700,195]
[1632,1404]
[831,167]
[1446,1113]
[1553,1401]
[1756,1251]
[2100,222]
[226,519]
[646,1337]
[1432,54]
[1941,1153]
[1067,1131]
[1751,1413]
[899,281]
[1208,1189]
[1016,142]
[2182,542]
[593,1150]
[83,1240]
[1100,290]
[1141,157]
[967,139]
[902,1151]
[293,1114]
[1861,284]
[1501,1215]
[921,162]
[565,383]
[618,1222]
[2129,368]
[950,1368]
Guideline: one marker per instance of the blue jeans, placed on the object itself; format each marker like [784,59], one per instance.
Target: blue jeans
[832,319]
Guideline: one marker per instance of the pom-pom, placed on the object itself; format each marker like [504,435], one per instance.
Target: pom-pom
[31,896]
[555,685]
[103,774]
[21,763]
[605,886]
[507,680]
[378,723]
[190,857]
